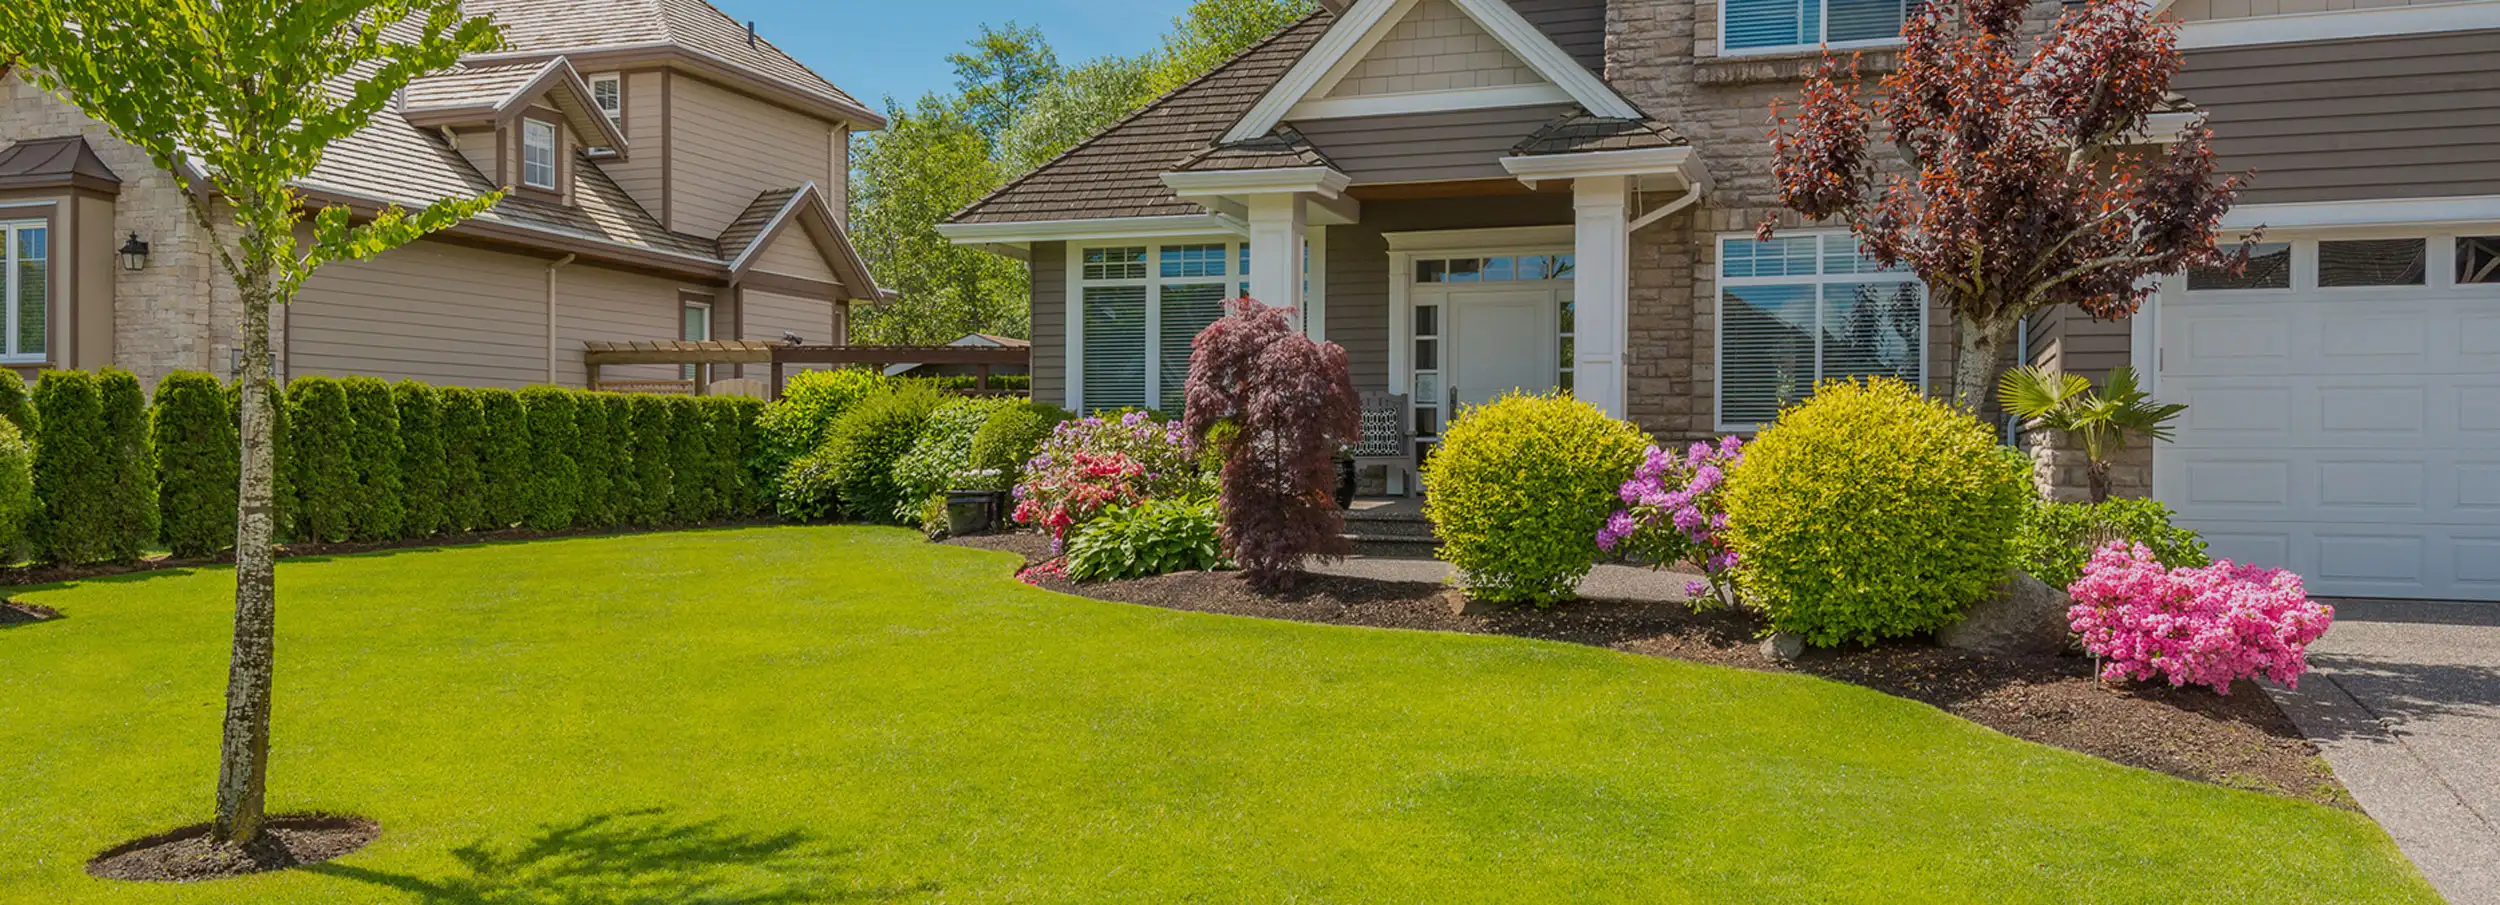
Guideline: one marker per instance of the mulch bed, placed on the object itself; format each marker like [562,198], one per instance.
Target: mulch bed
[15,613]
[2240,740]
[188,855]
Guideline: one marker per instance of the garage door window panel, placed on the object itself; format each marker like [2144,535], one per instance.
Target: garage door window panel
[2478,260]
[2269,267]
[2373,262]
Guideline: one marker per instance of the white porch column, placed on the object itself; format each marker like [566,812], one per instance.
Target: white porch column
[1278,221]
[1601,283]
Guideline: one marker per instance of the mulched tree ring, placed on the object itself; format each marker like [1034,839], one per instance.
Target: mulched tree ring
[15,613]
[187,855]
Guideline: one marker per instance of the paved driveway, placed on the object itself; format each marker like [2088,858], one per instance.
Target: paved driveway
[2404,698]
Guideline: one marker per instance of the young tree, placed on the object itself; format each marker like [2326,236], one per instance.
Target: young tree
[1292,405]
[238,99]
[2104,419]
[2030,181]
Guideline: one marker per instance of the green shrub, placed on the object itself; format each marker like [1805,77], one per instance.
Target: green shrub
[624,494]
[2058,538]
[1870,512]
[464,447]
[999,383]
[321,463]
[381,512]
[423,464]
[1156,537]
[730,430]
[198,464]
[1520,487]
[594,458]
[863,446]
[810,402]
[504,466]
[944,448]
[654,467]
[1007,440]
[691,500]
[17,489]
[554,487]
[811,490]
[15,406]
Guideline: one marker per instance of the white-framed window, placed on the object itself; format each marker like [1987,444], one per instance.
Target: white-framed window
[29,287]
[538,154]
[1805,308]
[1428,368]
[1774,26]
[1138,306]
[607,89]
[694,325]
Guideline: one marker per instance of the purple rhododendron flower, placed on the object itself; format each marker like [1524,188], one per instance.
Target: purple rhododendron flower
[1672,516]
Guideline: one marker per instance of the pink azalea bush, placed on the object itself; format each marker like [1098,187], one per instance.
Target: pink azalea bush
[1091,465]
[1672,515]
[2207,626]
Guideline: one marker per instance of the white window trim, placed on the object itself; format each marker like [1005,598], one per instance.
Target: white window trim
[609,78]
[8,284]
[685,305]
[1153,282]
[1718,302]
[555,149]
[2332,25]
[1825,20]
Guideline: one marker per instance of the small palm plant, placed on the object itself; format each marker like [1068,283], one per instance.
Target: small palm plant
[2103,419]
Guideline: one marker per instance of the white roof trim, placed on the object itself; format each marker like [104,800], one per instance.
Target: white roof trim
[2459,209]
[1182,226]
[1428,102]
[1361,26]
[1533,169]
[2340,24]
[1322,181]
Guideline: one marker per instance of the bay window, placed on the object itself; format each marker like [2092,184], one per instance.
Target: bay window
[1770,26]
[1801,309]
[28,284]
[1138,307]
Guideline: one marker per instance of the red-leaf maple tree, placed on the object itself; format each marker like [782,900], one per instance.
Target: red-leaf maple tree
[1292,403]
[2028,177]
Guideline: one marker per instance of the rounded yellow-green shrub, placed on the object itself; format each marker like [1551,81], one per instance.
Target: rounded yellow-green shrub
[1520,487]
[1870,511]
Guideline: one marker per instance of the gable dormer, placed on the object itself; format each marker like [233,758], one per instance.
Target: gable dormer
[523,126]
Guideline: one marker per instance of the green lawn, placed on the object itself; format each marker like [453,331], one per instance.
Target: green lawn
[842,714]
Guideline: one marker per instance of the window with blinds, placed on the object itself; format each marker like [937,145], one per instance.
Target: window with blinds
[1756,26]
[1143,305]
[1802,309]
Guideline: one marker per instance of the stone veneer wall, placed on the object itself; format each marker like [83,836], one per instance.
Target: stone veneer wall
[1660,54]
[181,313]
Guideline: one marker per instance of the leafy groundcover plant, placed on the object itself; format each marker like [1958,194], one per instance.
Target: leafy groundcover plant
[1672,516]
[2207,626]
[1156,537]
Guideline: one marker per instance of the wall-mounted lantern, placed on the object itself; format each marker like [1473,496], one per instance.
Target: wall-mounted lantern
[134,254]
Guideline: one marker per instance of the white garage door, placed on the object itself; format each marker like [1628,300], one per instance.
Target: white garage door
[2349,434]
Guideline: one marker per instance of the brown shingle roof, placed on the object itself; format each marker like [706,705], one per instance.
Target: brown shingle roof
[55,163]
[555,26]
[469,86]
[1281,149]
[1118,172]
[759,214]
[1579,131]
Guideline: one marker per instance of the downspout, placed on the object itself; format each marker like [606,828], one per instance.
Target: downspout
[1691,194]
[552,267]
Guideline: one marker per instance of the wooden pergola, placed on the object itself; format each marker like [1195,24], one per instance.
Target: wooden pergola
[704,355]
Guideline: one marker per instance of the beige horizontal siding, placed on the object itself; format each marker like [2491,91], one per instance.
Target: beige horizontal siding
[640,173]
[1426,147]
[793,254]
[2206,10]
[2399,117]
[729,148]
[768,315]
[598,304]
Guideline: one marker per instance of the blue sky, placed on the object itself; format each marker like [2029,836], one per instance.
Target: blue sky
[875,48]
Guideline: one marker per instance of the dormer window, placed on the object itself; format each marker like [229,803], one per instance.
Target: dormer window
[538,154]
[607,89]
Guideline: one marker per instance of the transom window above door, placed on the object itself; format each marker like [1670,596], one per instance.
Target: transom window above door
[1772,26]
[1504,269]
[1802,309]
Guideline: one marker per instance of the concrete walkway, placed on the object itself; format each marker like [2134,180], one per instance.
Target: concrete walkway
[2404,698]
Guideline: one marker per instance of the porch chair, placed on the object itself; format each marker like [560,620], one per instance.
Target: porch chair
[1387,439]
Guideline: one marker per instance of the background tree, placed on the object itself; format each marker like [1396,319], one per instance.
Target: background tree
[237,100]
[1292,405]
[2029,182]
[1000,73]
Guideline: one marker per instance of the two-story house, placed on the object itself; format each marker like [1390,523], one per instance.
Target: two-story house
[672,175]
[1475,196]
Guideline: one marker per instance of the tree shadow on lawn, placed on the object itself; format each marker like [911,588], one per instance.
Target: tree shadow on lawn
[640,857]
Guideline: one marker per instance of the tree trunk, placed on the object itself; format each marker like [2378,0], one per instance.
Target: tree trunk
[2096,477]
[243,764]
[1975,363]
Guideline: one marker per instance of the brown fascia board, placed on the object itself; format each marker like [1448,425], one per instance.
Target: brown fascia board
[602,59]
[508,237]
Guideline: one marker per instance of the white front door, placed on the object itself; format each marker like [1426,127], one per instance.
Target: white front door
[1504,340]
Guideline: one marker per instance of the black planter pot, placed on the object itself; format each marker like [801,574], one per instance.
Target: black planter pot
[1345,483]
[970,512]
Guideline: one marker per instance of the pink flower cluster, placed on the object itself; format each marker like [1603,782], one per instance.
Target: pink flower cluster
[1672,515]
[1090,465]
[2206,626]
